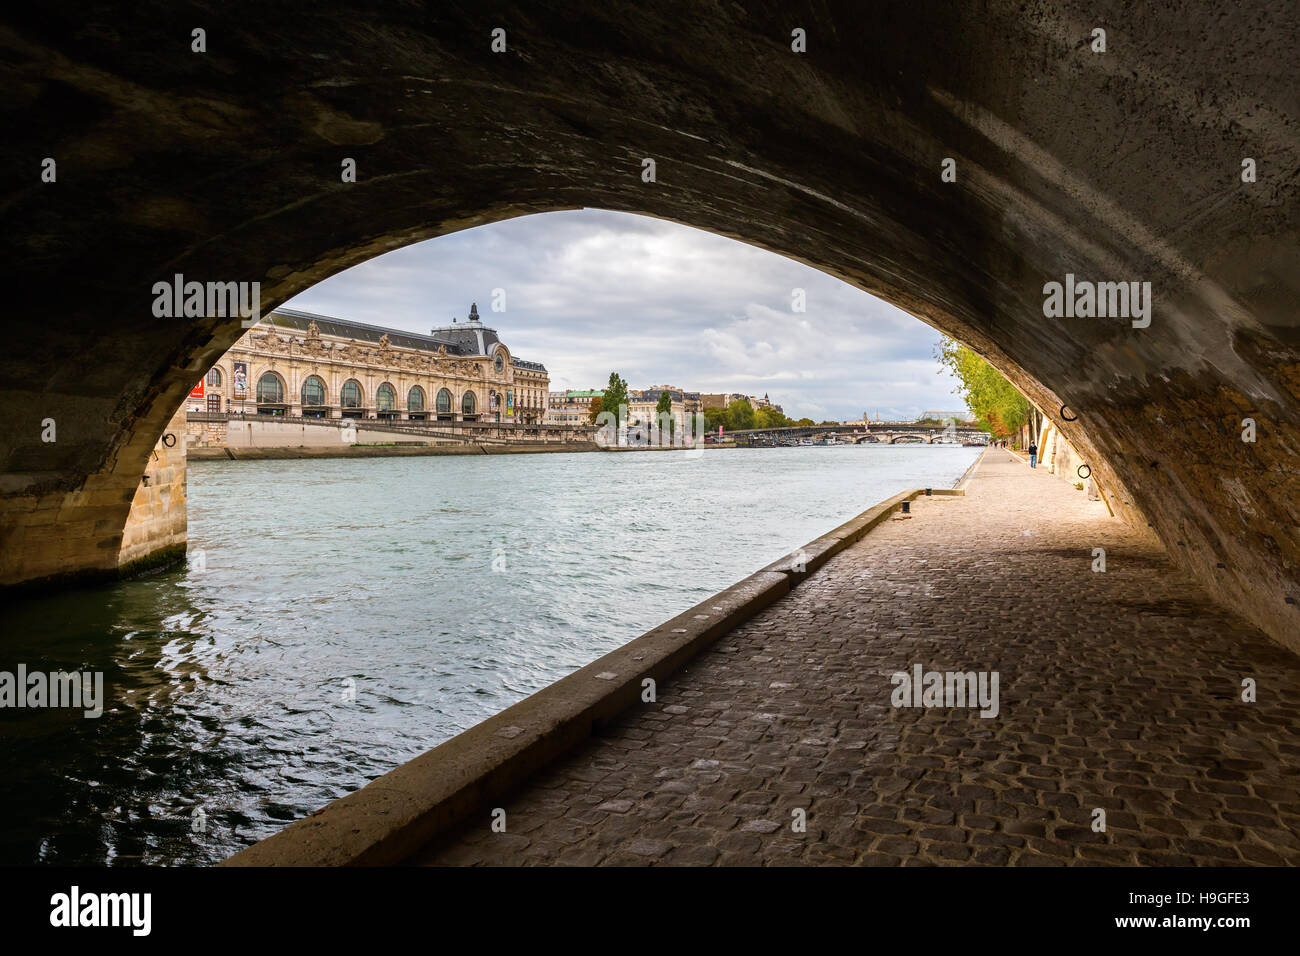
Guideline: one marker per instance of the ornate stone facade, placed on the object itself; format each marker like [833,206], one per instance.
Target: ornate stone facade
[299,364]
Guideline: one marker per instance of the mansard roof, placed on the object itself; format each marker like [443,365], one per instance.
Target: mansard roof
[470,339]
[652,394]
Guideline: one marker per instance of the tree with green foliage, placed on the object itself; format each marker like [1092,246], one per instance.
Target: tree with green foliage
[664,407]
[998,405]
[741,414]
[769,417]
[615,398]
[612,418]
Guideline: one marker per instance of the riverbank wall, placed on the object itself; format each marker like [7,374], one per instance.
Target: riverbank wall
[154,537]
[218,437]
[395,450]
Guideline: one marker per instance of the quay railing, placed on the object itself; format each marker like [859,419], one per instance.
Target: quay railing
[467,432]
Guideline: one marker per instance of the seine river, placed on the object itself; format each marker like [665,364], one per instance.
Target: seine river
[346,615]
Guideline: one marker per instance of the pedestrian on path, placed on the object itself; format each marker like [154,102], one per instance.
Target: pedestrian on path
[1033,455]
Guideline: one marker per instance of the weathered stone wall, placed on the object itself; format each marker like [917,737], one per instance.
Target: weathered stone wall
[205,434]
[1059,457]
[270,433]
[154,534]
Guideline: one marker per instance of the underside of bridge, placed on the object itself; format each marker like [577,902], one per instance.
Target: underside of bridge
[1117,166]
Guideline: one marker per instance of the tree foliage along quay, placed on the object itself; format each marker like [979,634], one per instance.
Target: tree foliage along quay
[996,403]
[740,415]
[615,397]
[665,407]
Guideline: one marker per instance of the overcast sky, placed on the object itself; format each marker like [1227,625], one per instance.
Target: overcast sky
[591,291]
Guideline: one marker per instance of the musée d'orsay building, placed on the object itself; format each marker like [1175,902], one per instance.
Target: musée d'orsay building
[295,363]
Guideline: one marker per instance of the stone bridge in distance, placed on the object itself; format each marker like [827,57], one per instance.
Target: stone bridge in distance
[884,433]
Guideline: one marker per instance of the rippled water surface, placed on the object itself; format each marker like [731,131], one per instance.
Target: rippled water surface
[438,591]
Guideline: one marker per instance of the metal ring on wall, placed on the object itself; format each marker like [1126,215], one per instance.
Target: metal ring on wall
[169,439]
[1067,418]
[1079,471]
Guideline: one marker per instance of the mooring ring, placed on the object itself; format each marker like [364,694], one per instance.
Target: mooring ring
[1067,418]
[1079,471]
[169,439]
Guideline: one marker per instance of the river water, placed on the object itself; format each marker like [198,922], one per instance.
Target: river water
[341,616]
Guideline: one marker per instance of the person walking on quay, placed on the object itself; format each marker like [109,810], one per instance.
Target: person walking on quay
[1033,455]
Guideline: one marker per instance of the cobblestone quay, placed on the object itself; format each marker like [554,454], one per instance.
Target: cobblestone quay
[1119,691]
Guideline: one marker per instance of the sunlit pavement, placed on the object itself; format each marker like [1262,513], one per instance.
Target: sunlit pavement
[1118,691]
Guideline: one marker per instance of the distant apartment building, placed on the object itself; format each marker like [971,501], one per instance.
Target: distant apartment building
[570,407]
[691,402]
[643,406]
[573,407]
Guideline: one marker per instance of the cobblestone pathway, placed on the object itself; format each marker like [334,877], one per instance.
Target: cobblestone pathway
[1118,690]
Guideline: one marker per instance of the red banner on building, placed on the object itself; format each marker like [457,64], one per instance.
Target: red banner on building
[197,391]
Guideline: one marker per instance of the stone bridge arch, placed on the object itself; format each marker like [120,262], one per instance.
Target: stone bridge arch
[225,166]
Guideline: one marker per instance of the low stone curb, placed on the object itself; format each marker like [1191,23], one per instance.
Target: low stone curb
[970,472]
[393,815]
[803,562]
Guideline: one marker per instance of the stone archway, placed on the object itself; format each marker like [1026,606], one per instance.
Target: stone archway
[225,166]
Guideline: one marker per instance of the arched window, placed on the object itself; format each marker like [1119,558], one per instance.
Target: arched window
[270,390]
[468,403]
[313,391]
[214,377]
[415,400]
[444,402]
[385,398]
[350,394]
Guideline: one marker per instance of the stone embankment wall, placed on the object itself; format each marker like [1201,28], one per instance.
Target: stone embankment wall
[269,453]
[288,434]
[272,439]
[154,534]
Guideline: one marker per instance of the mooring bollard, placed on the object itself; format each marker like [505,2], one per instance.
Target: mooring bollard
[907,507]
[927,492]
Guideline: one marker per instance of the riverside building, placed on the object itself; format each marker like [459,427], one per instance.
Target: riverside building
[643,407]
[571,407]
[295,363]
